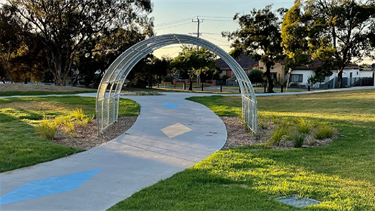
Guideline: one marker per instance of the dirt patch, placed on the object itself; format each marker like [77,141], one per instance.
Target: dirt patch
[46,88]
[86,136]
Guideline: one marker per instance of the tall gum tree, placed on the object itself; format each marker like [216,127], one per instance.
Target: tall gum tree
[294,37]
[259,36]
[192,61]
[67,25]
[339,31]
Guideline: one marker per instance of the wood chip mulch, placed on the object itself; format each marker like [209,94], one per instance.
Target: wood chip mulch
[87,136]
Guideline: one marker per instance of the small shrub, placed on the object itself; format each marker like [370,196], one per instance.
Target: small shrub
[85,121]
[66,120]
[78,114]
[68,128]
[263,123]
[279,134]
[57,121]
[298,139]
[302,126]
[47,128]
[324,132]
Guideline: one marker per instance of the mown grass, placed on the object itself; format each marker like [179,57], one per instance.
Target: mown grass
[340,175]
[16,93]
[21,146]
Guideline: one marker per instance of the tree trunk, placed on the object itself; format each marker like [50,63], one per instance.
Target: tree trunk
[269,79]
[190,83]
[339,79]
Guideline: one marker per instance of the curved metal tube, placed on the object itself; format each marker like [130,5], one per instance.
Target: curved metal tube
[108,94]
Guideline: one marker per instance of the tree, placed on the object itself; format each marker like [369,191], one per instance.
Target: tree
[30,61]
[149,71]
[100,52]
[338,32]
[259,36]
[10,40]
[295,38]
[255,76]
[67,26]
[192,61]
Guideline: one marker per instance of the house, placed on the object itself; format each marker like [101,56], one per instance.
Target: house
[244,61]
[352,75]
[277,71]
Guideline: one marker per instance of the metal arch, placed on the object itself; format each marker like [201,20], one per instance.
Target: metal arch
[108,94]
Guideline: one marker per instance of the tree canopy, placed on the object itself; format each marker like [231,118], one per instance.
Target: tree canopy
[67,27]
[259,36]
[192,61]
[337,32]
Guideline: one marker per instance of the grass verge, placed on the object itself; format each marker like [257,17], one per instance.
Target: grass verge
[20,143]
[340,175]
[21,93]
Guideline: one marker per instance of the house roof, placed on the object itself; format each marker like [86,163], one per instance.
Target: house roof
[244,61]
[316,63]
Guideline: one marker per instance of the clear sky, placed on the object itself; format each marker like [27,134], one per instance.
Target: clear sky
[175,16]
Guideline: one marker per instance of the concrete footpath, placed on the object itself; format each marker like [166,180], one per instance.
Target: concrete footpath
[170,135]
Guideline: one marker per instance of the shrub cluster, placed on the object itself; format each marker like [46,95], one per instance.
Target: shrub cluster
[299,131]
[48,127]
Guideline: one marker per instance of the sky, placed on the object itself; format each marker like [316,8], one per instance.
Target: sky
[175,16]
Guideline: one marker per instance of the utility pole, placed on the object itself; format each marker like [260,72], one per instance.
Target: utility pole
[198,21]
[198,24]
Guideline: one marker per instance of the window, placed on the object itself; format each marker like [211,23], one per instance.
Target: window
[296,77]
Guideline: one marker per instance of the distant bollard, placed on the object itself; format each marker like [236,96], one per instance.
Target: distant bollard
[202,87]
[282,88]
[184,85]
[158,85]
[308,88]
[174,86]
[221,88]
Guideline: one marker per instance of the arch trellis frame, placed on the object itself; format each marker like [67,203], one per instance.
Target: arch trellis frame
[108,94]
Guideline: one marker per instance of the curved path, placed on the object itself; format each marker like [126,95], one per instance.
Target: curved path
[170,135]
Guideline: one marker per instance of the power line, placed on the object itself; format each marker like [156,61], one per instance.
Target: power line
[215,39]
[172,26]
[219,20]
[171,22]
[216,17]
[211,33]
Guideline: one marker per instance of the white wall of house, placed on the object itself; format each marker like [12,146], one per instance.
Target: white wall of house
[306,74]
[355,74]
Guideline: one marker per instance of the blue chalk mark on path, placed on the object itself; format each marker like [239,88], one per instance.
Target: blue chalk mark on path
[171,105]
[47,186]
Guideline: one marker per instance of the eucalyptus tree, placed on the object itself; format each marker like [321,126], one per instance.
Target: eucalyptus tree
[259,35]
[192,61]
[10,40]
[100,52]
[67,26]
[338,32]
[294,36]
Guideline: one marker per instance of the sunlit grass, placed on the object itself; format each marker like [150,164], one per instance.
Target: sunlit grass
[20,143]
[340,175]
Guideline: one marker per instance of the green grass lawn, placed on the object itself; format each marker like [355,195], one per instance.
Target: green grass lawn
[15,93]
[20,146]
[341,175]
